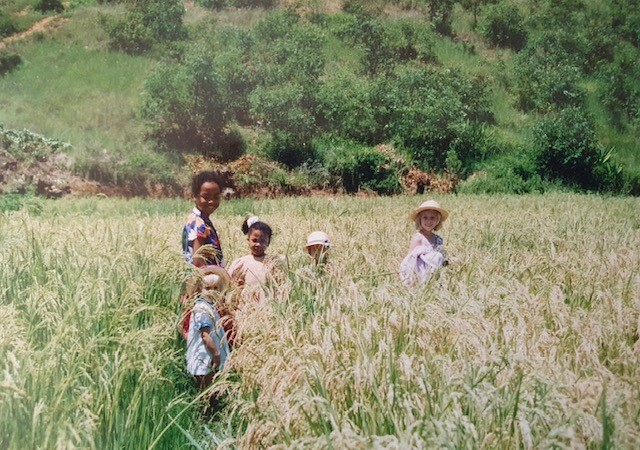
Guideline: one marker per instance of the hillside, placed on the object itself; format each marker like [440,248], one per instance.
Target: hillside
[352,97]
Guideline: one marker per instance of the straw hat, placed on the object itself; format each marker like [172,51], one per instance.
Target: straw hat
[433,205]
[215,278]
[318,237]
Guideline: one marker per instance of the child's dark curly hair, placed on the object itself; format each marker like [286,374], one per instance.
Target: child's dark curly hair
[205,177]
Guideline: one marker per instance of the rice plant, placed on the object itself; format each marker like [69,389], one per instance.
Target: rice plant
[530,339]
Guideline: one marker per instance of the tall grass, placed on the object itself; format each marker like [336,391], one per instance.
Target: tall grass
[530,339]
[512,346]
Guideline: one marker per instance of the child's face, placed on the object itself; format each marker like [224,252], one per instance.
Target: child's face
[429,219]
[318,252]
[208,200]
[258,242]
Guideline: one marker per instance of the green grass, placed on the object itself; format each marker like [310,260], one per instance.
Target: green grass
[71,88]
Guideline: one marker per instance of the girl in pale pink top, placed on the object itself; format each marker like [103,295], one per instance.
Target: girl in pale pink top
[253,271]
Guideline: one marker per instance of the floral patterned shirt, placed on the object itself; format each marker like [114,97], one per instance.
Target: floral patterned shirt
[198,226]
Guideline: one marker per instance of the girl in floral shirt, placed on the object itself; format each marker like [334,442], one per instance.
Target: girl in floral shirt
[198,229]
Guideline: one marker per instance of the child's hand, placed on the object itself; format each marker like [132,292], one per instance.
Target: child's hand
[215,360]
[239,275]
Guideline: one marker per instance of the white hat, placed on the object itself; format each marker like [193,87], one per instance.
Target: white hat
[430,205]
[318,237]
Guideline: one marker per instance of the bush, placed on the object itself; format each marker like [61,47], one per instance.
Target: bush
[566,149]
[188,106]
[15,202]
[385,43]
[514,172]
[440,15]
[145,23]
[8,62]
[254,3]
[631,183]
[363,168]
[620,91]
[7,25]
[289,149]
[288,64]
[503,26]
[547,76]
[429,111]
[231,145]
[347,108]
[212,4]
[48,5]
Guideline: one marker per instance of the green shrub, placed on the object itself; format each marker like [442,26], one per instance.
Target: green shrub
[8,62]
[29,147]
[512,173]
[363,168]
[185,105]
[503,26]
[428,111]
[566,150]
[626,20]
[231,145]
[440,15]
[130,35]
[620,86]
[254,3]
[7,25]
[48,5]
[212,4]
[631,182]
[347,107]
[386,43]
[16,202]
[547,75]
[289,149]
[288,61]
[146,23]
[145,166]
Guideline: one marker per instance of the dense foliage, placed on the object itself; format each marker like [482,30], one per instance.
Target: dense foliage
[274,74]
[454,88]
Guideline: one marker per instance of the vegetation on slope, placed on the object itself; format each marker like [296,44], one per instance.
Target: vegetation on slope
[492,97]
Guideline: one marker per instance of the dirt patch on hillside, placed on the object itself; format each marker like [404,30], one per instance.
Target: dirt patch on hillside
[41,26]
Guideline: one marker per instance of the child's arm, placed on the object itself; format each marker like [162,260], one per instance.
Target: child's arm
[210,345]
[237,272]
[198,260]
[415,242]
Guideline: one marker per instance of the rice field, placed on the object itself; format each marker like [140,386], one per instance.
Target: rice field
[529,340]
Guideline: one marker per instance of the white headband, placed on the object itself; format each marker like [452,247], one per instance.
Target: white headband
[251,220]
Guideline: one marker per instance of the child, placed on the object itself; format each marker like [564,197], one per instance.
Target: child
[318,247]
[426,251]
[200,241]
[252,271]
[199,231]
[207,347]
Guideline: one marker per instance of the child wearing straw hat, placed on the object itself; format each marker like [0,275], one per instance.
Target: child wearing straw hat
[426,250]
[207,346]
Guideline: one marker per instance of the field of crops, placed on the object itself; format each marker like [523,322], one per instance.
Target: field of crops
[529,340]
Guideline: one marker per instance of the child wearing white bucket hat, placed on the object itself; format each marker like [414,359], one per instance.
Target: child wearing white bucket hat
[426,250]
[318,246]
